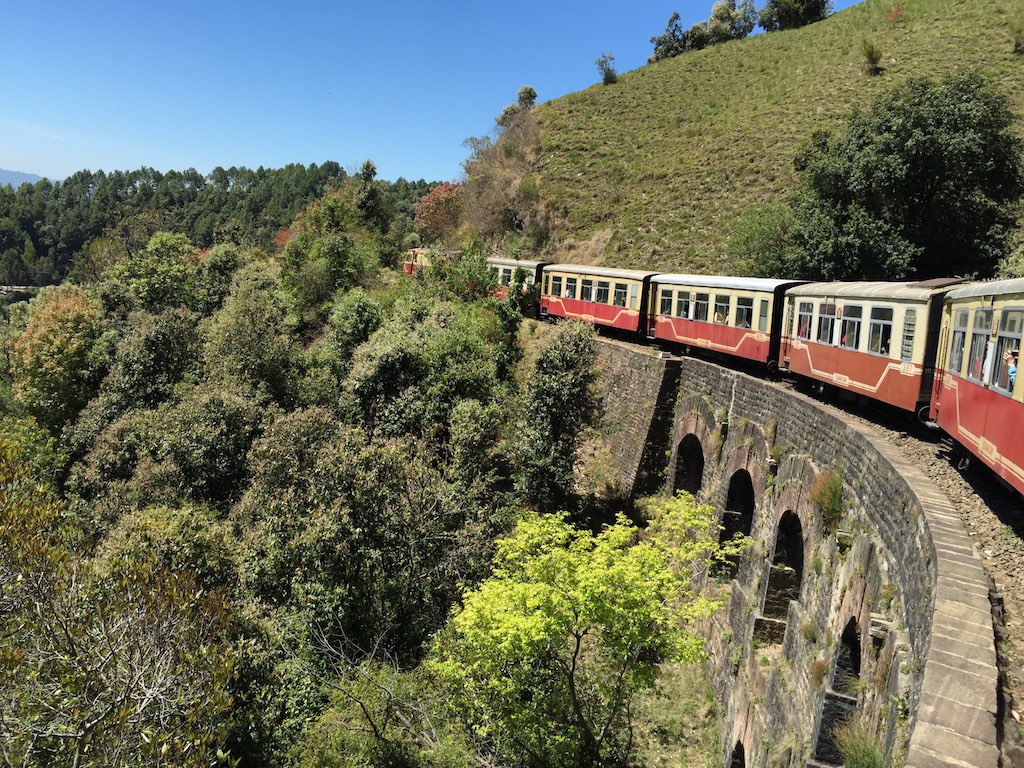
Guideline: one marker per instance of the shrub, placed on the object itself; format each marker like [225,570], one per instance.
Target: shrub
[827,497]
[858,747]
[872,57]
[606,66]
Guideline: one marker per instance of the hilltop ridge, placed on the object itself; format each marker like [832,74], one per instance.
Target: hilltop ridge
[653,170]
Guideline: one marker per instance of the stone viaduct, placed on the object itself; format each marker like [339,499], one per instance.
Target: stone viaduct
[862,596]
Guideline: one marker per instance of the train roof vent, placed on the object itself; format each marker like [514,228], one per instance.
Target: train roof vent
[939,282]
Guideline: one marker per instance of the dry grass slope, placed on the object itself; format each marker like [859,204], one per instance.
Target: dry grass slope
[667,158]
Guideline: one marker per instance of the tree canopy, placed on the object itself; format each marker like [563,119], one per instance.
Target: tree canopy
[920,184]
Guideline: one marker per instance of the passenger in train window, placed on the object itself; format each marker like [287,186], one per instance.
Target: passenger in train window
[1010,357]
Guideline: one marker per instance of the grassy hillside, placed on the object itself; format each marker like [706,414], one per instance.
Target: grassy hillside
[660,164]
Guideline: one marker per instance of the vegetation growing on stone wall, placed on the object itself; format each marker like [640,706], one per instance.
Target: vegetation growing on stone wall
[827,497]
[859,747]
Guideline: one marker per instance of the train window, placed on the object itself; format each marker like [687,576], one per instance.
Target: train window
[506,276]
[683,305]
[744,311]
[956,352]
[634,293]
[666,302]
[803,321]
[602,292]
[979,344]
[826,323]
[587,290]
[762,316]
[570,287]
[850,330]
[722,309]
[547,285]
[701,307]
[880,330]
[909,327]
[1010,322]
[619,299]
[556,285]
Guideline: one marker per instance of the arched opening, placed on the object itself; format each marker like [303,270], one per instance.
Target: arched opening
[840,703]
[846,677]
[738,517]
[787,569]
[739,759]
[689,465]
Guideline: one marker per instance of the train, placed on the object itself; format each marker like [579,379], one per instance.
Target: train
[944,350]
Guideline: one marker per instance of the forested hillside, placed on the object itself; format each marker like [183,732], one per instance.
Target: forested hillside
[266,508]
[656,169]
[47,229]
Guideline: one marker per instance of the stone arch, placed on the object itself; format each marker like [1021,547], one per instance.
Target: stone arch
[739,756]
[689,474]
[738,517]
[739,506]
[785,576]
[846,672]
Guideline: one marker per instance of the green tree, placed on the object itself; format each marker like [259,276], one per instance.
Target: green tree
[761,242]
[248,340]
[560,403]
[606,68]
[790,14]
[58,360]
[130,668]
[546,657]
[160,275]
[919,185]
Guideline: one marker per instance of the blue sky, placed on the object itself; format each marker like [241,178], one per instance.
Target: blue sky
[118,85]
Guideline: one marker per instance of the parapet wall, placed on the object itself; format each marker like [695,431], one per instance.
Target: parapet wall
[891,580]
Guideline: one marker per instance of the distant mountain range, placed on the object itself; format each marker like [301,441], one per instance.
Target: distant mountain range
[17,178]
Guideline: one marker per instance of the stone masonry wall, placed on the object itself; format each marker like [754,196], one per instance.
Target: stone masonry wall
[897,568]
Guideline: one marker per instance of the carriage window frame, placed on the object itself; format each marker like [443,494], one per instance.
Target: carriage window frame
[1006,340]
[586,289]
[667,298]
[547,285]
[880,331]
[619,294]
[850,324]
[981,333]
[634,294]
[826,322]
[556,286]
[745,312]
[804,319]
[570,287]
[908,335]
[959,343]
[700,307]
[601,295]
[506,276]
[762,316]
[723,306]
[683,305]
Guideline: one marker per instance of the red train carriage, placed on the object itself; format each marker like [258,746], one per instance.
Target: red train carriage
[975,399]
[730,315]
[505,270]
[615,298]
[874,339]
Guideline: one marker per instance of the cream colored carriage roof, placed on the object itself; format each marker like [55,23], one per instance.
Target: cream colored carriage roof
[724,281]
[919,291]
[512,263]
[990,288]
[577,269]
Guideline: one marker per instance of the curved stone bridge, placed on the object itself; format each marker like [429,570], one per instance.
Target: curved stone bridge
[862,597]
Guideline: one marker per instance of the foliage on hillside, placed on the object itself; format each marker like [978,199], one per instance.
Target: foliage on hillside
[666,161]
[48,229]
[230,479]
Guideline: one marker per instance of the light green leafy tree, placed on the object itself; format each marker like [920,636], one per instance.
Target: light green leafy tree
[159,276]
[546,657]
